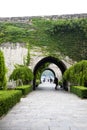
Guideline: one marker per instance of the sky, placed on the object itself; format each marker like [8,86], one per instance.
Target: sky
[18,8]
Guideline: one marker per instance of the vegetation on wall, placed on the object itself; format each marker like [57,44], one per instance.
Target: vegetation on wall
[57,37]
[77,74]
[71,37]
[27,57]
[3,80]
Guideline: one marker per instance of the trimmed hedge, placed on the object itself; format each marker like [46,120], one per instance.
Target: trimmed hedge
[8,99]
[25,89]
[81,91]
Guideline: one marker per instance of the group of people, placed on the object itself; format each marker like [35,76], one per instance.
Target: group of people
[48,80]
[51,80]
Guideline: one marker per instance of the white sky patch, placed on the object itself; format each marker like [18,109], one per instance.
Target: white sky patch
[14,8]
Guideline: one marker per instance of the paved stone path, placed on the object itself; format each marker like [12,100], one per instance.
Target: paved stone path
[47,109]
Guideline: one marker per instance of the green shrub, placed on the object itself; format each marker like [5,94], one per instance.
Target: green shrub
[3,80]
[81,91]
[77,74]
[8,99]
[25,89]
[22,72]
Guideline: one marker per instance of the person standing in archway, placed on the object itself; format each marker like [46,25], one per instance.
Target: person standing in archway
[56,82]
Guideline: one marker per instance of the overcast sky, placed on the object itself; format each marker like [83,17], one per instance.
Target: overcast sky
[15,8]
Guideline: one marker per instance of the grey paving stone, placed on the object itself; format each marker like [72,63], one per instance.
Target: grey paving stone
[47,109]
[59,128]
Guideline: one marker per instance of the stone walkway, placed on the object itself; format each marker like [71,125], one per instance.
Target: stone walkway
[47,109]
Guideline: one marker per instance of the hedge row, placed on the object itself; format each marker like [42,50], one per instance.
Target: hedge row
[81,91]
[25,89]
[8,99]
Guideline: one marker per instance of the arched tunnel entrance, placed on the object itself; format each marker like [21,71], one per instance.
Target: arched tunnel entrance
[48,75]
[53,60]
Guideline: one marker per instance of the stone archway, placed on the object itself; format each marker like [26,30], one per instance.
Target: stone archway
[50,59]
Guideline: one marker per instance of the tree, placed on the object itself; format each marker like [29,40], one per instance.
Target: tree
[77,74]
[3,80]
[22,73]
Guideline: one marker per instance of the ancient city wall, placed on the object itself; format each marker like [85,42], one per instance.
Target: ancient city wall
[27,18]
[14,54]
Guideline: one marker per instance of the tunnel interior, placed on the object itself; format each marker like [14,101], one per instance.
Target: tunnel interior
[53,60]
[48,75]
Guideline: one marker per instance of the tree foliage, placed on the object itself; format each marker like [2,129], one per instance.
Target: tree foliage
[23,73]
[77,74]
[3,80]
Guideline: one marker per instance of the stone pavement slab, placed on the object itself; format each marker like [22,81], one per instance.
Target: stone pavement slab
[47,109]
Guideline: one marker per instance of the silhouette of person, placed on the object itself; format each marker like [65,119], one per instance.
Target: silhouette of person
[56,82]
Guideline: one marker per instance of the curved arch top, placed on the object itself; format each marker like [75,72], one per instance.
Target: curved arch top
[50,59]
[51,71]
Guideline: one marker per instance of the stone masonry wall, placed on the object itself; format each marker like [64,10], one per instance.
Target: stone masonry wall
[28,19]
[13,55]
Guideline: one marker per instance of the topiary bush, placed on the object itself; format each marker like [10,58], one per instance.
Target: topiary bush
[23,73]
[3,80]
[77,74]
